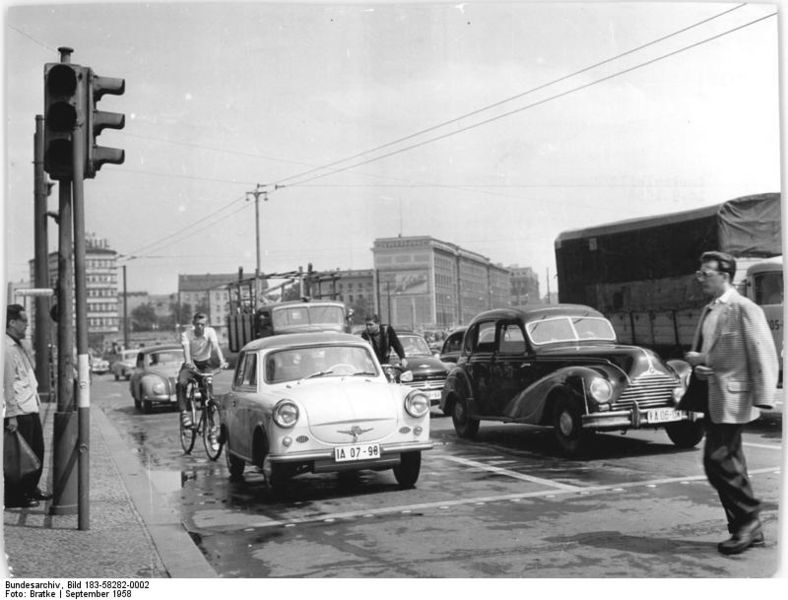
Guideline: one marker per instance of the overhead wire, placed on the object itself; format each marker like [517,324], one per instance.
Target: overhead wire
[511,98]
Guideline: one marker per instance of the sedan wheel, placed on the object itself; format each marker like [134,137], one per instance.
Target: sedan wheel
[568,427]
[407,472]
[685,434]
[465,426]
[235,465]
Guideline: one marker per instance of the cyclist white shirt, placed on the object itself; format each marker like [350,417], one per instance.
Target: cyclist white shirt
[200,347]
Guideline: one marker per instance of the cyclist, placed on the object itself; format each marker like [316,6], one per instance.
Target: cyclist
[198,343]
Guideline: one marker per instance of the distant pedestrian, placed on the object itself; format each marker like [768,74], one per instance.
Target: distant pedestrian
[198,343]
[21,406]
[383,340]
[736,356]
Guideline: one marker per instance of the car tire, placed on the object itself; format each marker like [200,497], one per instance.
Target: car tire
[465,426]
[407,471]
[568,429]
[147,407]
[117,377]
[137,404]
[685,434]
[235,465]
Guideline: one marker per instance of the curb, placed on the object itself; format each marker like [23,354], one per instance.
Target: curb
[178,552]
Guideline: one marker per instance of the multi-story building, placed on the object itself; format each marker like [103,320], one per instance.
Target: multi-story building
[207,293]
[524,285]
[424,283]
[101,280]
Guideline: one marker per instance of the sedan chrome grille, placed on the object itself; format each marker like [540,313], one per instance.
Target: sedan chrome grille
[648,391]
[423,384]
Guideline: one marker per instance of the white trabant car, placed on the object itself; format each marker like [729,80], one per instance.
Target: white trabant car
[320,402]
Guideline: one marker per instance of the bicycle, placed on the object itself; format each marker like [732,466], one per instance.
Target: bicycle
[207,422]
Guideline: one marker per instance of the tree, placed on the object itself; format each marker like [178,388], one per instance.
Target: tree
[143,318]
[361,310]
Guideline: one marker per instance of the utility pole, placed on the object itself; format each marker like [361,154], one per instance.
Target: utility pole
[125,312]
[257,192]
[548,285]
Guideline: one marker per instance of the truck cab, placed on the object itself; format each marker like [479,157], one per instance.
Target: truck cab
[764,286]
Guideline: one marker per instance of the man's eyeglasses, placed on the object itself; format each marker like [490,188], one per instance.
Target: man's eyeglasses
[701,275]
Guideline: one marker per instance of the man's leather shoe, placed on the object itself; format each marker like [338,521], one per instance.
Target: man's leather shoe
[26,503]
[39,495]
[748,535]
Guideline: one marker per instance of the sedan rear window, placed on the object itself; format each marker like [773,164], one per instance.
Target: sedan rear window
[570,329]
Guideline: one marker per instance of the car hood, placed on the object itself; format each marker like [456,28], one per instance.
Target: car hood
[633,360]
[426,365]
[167,371]
[334,406]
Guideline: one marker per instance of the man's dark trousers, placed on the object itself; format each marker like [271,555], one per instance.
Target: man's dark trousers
[29,426]
[726,470]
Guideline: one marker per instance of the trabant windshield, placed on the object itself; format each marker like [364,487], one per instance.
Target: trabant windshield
[307,315]
[570,329]
[415,345]
[318,361]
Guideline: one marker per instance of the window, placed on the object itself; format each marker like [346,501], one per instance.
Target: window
[246,375]
[512,339]
[485,338]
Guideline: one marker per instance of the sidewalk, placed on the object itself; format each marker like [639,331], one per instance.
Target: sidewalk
[132,531]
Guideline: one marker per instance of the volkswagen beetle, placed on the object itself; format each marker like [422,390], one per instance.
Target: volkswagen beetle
[320,402]
[560,366]
[152,379]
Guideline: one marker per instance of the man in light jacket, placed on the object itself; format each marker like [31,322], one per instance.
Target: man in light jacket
[738,359]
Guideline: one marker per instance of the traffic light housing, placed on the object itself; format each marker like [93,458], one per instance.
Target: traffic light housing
[98,120]
[64,109]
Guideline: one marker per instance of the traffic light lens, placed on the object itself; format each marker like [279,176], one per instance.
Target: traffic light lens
[62,80]
[61,117]
[59,154]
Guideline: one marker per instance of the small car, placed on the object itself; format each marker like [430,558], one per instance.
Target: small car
[153,379]
[123,364]
[560,366]
[320,402]
[98,365]
[450,351]
[429,372]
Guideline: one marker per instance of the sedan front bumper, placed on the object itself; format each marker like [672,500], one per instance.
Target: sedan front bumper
[636,418]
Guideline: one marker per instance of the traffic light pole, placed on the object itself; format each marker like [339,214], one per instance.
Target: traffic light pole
[83,364]
[41,266]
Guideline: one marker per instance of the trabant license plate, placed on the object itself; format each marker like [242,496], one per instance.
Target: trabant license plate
[356,452]
[663,415]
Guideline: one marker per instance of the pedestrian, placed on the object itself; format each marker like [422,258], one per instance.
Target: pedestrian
[21,406]
[383,340]
[198,343]
[736,356]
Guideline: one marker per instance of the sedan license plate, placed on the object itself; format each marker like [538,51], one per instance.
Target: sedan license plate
[433,394]
[356,452]
[663,415]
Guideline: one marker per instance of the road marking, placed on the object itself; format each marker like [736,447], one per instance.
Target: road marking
[765,446]
[508,473]
[447,504]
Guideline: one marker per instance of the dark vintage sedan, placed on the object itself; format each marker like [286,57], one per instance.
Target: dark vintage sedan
[153,378]
[450,351]
[560,366]
[429,372]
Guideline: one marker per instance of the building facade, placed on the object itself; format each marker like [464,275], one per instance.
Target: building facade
[423,283]
[207,293]
[524,286]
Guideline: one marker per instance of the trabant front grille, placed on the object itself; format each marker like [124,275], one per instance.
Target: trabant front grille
[648,391]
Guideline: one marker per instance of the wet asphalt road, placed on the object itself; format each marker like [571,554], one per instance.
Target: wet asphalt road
[503,505]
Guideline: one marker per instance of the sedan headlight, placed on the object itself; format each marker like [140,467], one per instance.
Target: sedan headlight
[601,390]
[285,413]
[417,404]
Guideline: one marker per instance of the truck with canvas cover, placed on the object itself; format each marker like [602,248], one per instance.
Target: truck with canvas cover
[641,272]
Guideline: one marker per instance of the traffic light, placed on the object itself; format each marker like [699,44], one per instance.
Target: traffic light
[64,106]
[98,120]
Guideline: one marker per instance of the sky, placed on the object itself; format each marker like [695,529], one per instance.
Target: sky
[492,125]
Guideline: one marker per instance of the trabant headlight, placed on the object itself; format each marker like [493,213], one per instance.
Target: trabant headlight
[406,376]
[417,404]
[600,390]
[285,413]
[159,388]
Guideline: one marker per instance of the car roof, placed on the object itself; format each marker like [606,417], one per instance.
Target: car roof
[287,340]
[539,311]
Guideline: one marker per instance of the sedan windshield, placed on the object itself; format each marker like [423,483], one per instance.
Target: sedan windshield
[415,345]
[570,329]
[318,361]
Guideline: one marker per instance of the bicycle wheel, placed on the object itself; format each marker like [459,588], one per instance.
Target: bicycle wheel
[211,430]
[189,434]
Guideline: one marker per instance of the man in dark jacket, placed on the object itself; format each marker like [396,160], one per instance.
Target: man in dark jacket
[383,338]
